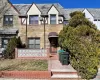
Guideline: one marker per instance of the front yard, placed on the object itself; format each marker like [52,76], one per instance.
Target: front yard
[23,65]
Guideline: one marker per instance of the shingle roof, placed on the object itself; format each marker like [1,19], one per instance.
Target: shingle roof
[95,12]
[22,8]
[70,10]
[8,31]
[44,8]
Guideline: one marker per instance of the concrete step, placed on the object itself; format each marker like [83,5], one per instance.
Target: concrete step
[67,76]
[64,74]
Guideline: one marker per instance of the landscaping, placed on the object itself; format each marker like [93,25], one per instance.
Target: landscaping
[23,65]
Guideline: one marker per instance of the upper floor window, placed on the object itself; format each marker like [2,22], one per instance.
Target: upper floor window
[34,43]
[53,19]
[33,19]
[95,19]
[8,20]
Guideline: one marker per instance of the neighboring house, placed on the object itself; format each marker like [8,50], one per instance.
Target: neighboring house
[14,24]
[93,15]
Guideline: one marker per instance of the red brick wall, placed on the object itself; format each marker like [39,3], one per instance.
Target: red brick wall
[26,74]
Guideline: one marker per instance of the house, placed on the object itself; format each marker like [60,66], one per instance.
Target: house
[33,16]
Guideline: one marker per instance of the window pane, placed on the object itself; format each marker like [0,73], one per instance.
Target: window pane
[8,19]
[52,19]
[31,41]
[37,46]
[31,46]
[34,43]
[37,41]
[33,19]
[5,42]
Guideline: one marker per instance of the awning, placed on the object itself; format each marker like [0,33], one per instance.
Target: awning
[8,31]
[53,34]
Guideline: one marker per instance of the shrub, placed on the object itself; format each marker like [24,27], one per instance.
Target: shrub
[10,50]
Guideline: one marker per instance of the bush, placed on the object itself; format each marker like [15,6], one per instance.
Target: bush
[81,38]
[10,50]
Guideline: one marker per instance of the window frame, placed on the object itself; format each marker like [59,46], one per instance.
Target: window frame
[3,42]
[34,44]
[52,15]
[9,22]
[34,20]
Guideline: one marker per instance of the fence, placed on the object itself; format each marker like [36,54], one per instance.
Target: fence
[30,53]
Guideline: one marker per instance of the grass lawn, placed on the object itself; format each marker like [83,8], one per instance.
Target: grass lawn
[23,65]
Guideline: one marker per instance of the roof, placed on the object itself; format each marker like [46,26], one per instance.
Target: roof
[53,34]
[22,8]
[8,31]
[70,10]
[44,8]
[95,12]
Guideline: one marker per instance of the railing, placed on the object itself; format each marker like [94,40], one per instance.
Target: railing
[30,53]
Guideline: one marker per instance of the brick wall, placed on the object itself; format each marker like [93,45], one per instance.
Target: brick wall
[38,31]
[26,74]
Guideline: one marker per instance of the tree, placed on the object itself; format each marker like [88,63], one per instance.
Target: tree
[80,38]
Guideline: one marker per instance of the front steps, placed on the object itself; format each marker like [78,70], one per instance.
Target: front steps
[64,75]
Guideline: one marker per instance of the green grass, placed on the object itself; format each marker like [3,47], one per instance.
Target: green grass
[23,65]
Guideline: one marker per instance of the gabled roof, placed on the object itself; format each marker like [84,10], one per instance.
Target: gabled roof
[44,8]
[70,10]
[22,8]
[95,12]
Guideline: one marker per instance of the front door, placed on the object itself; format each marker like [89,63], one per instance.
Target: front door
[53,44]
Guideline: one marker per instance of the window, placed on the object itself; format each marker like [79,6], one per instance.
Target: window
[5,42]
[65,22]
[52,19]
[33,19]
[8,20]
[34,43]
[95,19]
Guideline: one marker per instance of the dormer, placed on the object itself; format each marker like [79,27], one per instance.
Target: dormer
[53,15]
[33,15]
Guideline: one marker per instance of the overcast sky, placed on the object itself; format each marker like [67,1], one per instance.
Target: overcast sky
[64,3]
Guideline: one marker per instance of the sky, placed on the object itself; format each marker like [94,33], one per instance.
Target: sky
[64,3]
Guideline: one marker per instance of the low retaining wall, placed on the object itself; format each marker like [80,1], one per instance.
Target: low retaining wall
[31,54]
[26,74]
